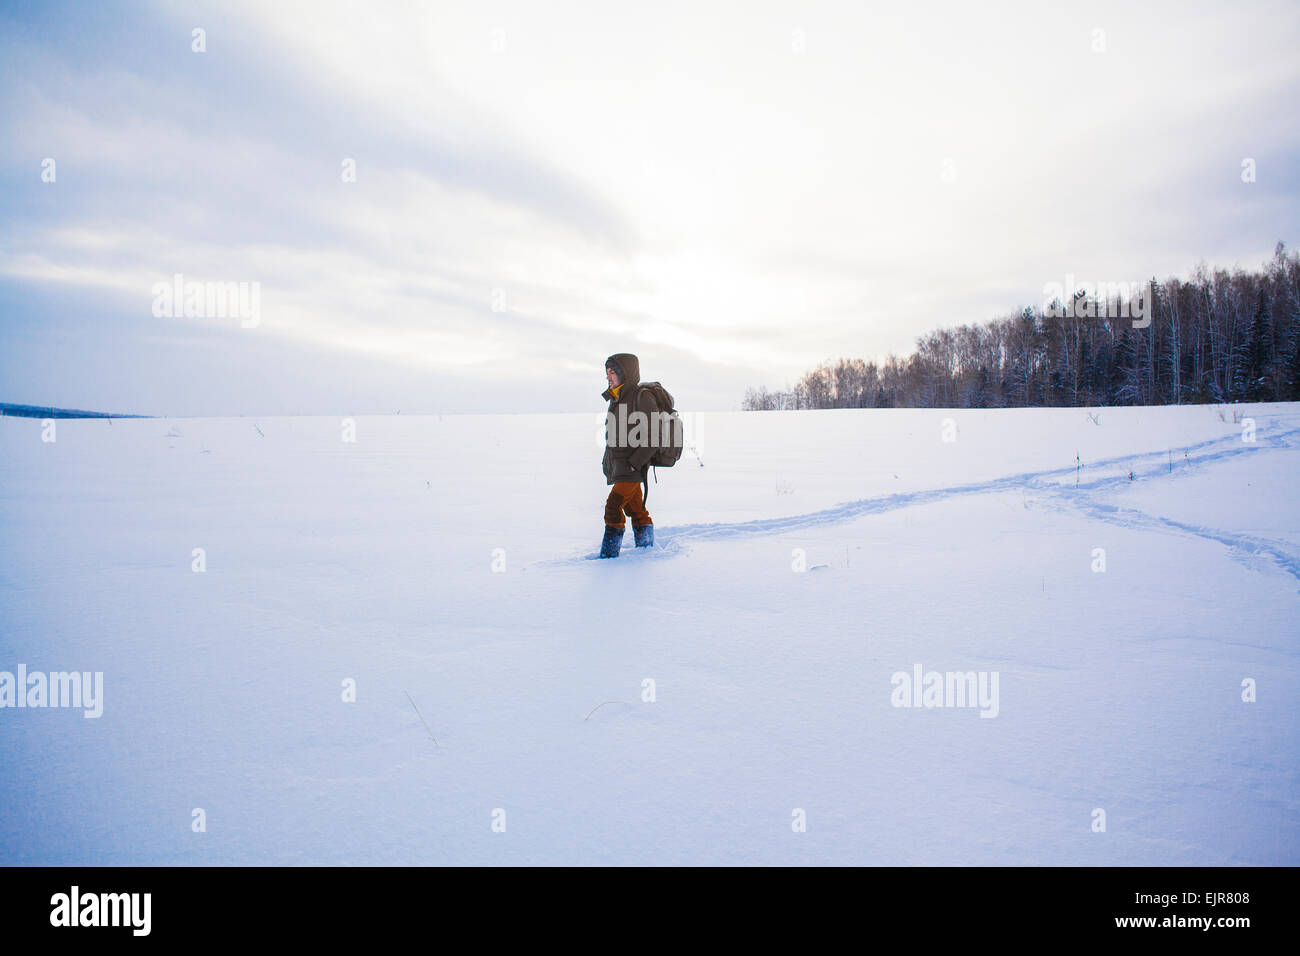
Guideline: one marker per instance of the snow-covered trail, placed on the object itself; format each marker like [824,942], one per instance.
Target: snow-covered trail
[438,564]
[1107,474]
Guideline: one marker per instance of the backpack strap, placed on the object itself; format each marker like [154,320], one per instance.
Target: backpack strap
[645,475]
[645,483]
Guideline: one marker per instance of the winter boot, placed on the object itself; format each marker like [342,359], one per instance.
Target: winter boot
[612,542]
[644,535]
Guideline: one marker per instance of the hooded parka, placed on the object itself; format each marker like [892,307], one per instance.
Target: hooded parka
[623,461]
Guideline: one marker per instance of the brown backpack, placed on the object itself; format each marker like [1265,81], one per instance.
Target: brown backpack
[672,438]
[671,435]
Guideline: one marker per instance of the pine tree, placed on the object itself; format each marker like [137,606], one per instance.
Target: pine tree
[980,398]
[1291,389]
[1122,388]
[1087,371]
[1260,354]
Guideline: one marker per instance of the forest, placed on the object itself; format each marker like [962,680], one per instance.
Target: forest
[1216,337]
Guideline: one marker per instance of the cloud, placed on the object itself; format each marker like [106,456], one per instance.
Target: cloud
[738,190]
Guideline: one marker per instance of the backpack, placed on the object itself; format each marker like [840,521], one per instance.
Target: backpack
[672,439]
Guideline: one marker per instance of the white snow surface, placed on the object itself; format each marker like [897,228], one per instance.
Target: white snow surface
[376,561]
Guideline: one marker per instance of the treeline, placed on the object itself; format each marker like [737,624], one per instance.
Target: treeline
[45,411]
[1220,337]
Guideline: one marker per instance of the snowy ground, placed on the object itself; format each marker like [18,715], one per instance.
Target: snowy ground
[373,561]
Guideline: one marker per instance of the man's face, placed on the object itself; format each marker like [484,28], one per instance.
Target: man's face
[611,377]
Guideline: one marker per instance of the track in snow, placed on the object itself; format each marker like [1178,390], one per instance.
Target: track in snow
[675,539]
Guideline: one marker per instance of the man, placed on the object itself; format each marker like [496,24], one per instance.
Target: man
[626,462]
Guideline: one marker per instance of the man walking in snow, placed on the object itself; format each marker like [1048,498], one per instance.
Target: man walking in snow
[625,462]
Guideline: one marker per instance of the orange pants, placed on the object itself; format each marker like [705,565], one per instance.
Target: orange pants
[625,497]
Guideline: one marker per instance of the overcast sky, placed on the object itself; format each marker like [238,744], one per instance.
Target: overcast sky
[734,191]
